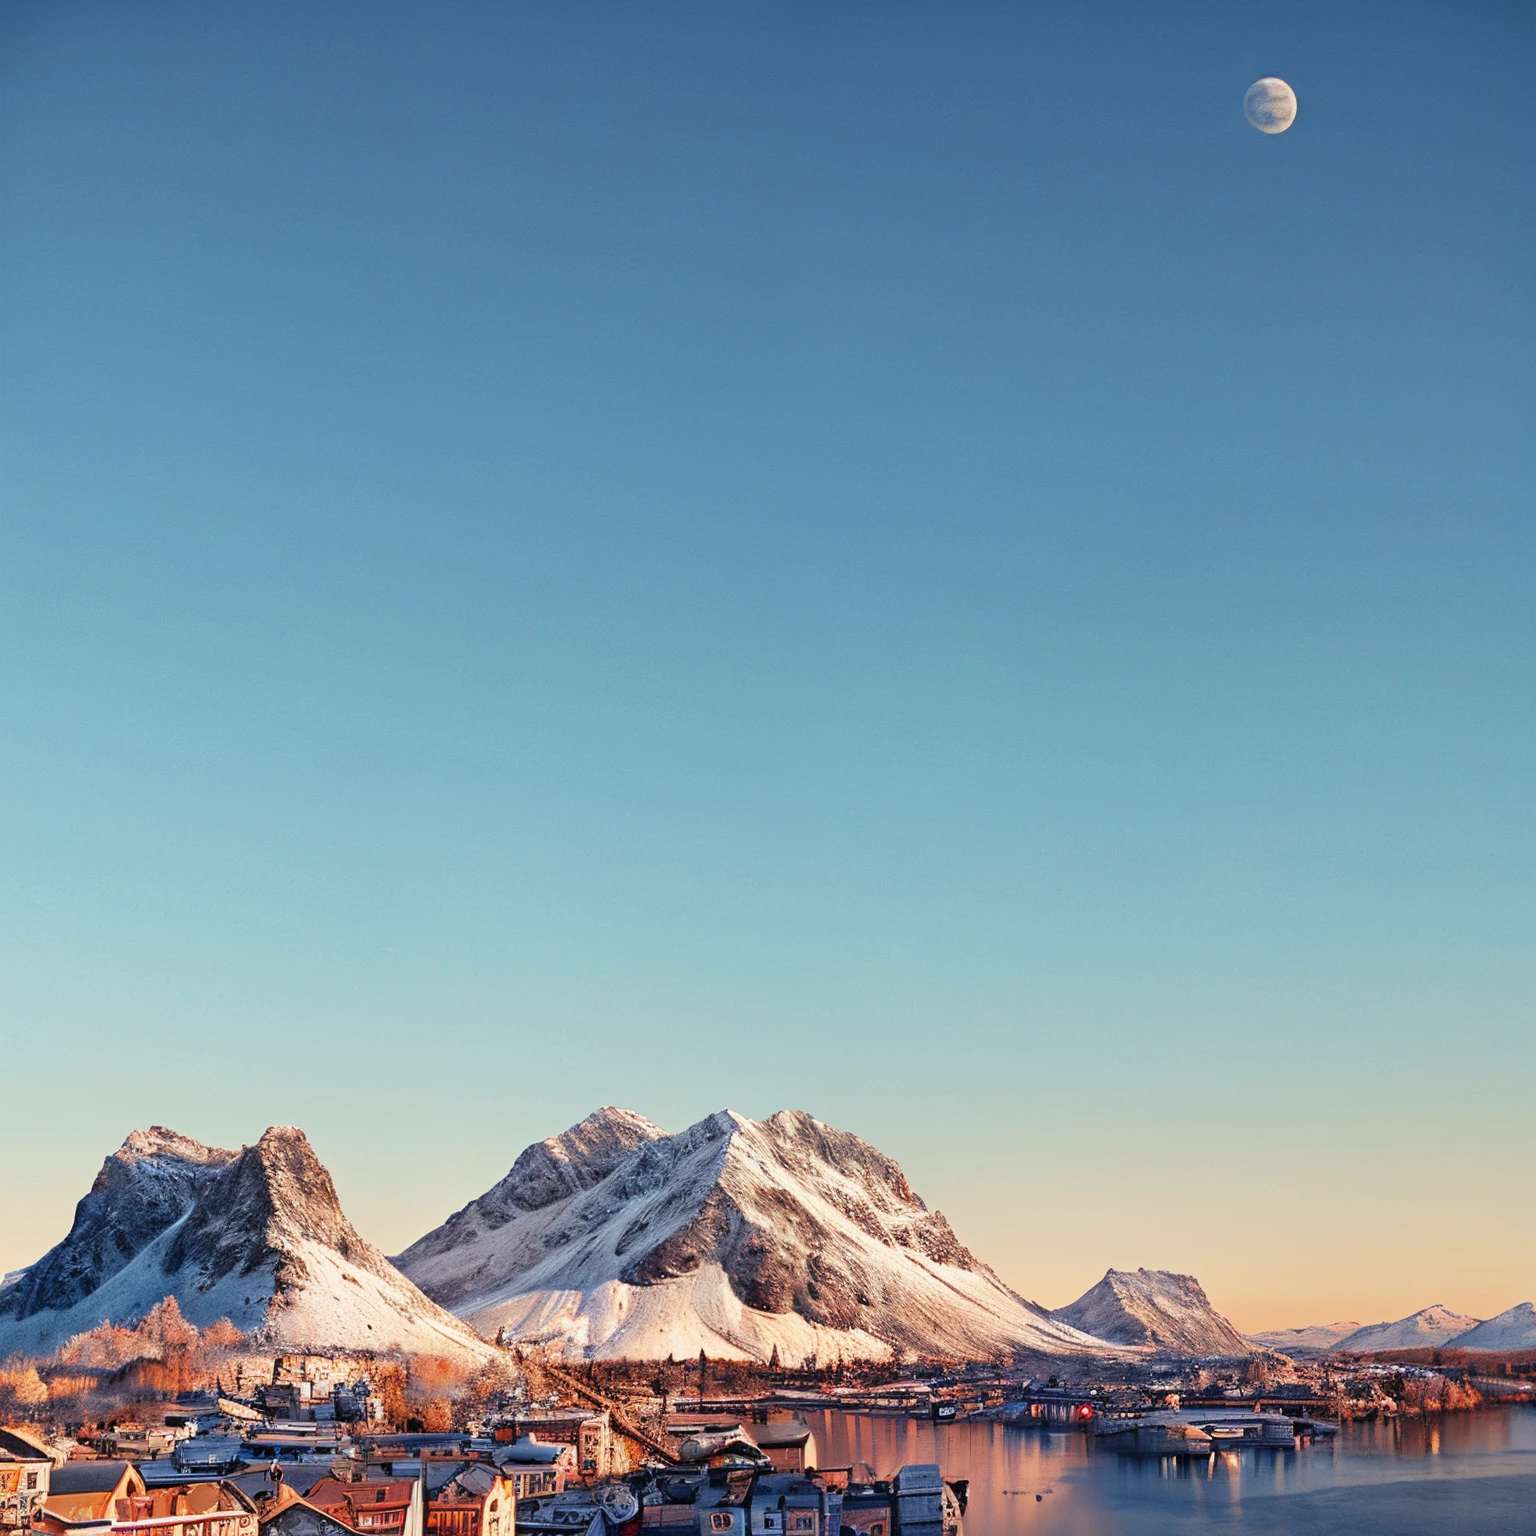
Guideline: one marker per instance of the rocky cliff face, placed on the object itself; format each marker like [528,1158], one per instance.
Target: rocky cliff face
[544,1174]
[735,1236]
[1154,1308]
[257,1236]
[144,1188]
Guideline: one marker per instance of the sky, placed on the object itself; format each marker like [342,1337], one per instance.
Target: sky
[898,560]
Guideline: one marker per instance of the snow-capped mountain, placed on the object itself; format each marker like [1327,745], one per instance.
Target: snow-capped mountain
[1167,1312]
[256,1236]
[470,1242]
[1317,1339]
[1423,1330]
[737,1237]
[1511,1330]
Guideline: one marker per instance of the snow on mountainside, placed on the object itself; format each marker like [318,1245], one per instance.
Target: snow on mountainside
[1514,1329]
[1423,1330]
[1317,1339]
[545,1173]
[256,1236]
[737,1237]
[1153,1307]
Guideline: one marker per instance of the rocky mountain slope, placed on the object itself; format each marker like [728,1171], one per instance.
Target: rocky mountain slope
[257,1236]
[1317,1339]
[1511,1330]
[1151,1307]
[737,1237]
[1433,1326]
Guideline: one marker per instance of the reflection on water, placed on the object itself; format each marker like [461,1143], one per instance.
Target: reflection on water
[1465,1473]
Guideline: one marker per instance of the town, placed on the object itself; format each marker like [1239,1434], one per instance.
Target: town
[160,1430]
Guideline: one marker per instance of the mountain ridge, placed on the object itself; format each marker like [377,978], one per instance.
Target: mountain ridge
[1513,1329]
[735,1236]
[1425,1329]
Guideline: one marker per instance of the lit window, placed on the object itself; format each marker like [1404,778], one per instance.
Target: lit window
[719,1521]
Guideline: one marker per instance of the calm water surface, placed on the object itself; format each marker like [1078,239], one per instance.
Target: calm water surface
[1466,1473]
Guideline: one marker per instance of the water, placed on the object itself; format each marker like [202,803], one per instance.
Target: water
[1462,1475]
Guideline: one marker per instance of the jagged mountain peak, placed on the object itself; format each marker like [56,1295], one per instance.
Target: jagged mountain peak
[159,1141]
[736,1236]
[141,1191]
[1155,1308]
[274,1195]
[546,1173]
[257,1236]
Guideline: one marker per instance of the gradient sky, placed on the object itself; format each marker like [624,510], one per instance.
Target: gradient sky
[891,559]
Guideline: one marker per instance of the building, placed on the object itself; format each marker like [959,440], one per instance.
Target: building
[357,1403]
[376,1506]
[535,1468]
[208,1453]
[185,1509]
[468,1498]
[925,1504]
[722,1506]
[25,1465]
[788,1504]
[590,1434]
[284,1513]
[82,1497]
[868,1510]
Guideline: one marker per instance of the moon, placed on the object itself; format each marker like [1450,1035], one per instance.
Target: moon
[1270,105]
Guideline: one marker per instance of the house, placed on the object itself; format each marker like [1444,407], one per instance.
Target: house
[925,1504]
[285,1513]
[721,1508]
[375,1506]
[536,1468]
[670,1505]
[82,1497]
[185,1509]
[25,1465]
[468,1498]
[789,1504]
[869,1510]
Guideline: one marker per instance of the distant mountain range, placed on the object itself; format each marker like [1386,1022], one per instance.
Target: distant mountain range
[1316,1340]
[1433,1327]
[745,1239]
[256,1236]
[1511,1330]
[1425,1329]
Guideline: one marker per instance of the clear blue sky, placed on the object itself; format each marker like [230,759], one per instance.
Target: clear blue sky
[898,560]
